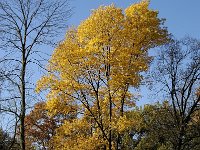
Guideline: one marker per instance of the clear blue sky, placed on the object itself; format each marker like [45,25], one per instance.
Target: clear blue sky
[182,19]
[182,16]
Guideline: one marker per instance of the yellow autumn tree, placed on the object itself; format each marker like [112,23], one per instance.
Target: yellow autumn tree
[93,70]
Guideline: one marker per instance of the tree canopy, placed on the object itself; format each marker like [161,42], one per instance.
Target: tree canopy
[92,80]
[92,71]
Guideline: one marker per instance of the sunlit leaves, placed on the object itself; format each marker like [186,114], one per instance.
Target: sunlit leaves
[92,71]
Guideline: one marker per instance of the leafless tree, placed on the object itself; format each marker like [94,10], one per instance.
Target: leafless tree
[26,25]
[178,72]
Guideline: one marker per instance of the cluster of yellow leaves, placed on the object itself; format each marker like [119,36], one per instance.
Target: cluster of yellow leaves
[92,72]
[123,123]
[76,135]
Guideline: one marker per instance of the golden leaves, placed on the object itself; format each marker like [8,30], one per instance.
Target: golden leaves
[93,69]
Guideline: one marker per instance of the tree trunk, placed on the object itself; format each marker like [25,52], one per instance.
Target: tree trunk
[23,102]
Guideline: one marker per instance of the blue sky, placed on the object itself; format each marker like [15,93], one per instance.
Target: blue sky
[182,19]
[182,16]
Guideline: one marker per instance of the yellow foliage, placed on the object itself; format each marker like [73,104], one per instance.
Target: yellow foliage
[93,69]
